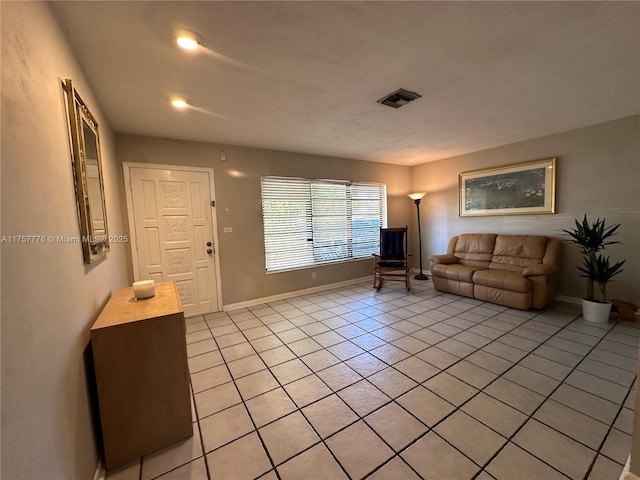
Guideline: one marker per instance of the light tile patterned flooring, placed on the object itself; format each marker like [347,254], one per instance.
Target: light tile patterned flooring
[354,383]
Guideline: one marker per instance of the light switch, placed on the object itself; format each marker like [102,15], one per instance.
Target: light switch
[228,229]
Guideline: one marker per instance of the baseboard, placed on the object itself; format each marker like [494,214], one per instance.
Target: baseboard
[417,270]
[626,474]
[578,301]
[101,473]
[568,299]
[295,293]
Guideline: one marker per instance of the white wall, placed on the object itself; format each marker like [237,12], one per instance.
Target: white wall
[49,297]
[598,174]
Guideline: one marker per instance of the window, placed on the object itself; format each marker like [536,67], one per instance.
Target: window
[309,222]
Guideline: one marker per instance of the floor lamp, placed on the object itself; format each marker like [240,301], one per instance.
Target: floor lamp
[416,197]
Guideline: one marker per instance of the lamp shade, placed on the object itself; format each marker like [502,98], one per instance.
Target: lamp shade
[417,195]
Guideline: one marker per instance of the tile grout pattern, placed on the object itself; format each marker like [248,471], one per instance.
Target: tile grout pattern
[357,383]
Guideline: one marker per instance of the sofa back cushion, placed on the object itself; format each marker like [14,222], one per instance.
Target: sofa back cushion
[473,249]
[516,252]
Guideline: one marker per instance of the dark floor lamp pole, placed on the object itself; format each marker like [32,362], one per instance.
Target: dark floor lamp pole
[416,197]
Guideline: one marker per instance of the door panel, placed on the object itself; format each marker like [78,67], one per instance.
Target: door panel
[173,225]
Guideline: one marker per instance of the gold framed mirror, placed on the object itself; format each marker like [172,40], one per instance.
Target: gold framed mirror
[88,176]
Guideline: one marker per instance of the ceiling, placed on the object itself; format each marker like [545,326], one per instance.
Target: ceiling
[305,76]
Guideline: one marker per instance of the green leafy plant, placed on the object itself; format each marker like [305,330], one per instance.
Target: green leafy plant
[600,272]
[593,237]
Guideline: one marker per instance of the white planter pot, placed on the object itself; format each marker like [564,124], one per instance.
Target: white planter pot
[596,312]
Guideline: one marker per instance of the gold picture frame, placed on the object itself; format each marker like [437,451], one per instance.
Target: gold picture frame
[519,189]
[88,176]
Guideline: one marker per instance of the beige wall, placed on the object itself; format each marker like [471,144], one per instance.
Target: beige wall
[634,457]
[238,205]
[598,173]
[604,155]
[49,297]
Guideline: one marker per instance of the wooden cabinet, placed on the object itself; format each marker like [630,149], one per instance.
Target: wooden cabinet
[140,358]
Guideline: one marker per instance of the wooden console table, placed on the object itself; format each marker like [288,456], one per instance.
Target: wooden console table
[140,358]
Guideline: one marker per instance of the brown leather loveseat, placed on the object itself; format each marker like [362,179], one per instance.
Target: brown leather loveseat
[519,271]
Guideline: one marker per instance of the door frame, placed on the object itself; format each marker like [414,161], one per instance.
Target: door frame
[126,167]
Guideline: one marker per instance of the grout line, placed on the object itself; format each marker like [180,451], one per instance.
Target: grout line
[246,409]
[604,439]
[492,340]
[530,416]
[298,409]
[195,407]
[360,418]
[501,375]
[391,365]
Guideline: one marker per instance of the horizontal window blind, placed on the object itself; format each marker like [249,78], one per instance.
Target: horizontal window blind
[309,222]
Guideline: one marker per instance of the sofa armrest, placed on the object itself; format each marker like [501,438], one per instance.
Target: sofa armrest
[444,259]
[540,269]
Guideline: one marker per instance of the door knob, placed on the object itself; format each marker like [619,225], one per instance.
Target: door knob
[208,244]
[209,251]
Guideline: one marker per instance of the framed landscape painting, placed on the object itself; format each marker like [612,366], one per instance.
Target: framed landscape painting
[520,189]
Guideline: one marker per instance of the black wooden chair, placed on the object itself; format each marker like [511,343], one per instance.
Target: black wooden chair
[392,263]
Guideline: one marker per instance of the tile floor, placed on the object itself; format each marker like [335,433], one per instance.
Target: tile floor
[354,383]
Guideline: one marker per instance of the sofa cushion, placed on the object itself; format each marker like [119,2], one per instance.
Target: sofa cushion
[475,249]
[502,279]
[462,273]
[516,252]
[541,269]
[502,297]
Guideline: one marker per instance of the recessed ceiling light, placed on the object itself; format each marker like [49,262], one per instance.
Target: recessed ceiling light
[179,102]
[187,40]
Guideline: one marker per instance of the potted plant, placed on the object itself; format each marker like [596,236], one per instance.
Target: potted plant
[593,237]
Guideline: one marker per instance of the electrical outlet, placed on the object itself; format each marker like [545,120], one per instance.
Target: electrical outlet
[228,229]
[313,274]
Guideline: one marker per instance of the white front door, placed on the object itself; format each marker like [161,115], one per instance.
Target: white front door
[172,224]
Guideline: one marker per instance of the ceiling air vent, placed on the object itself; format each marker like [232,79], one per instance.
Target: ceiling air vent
[399,98]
